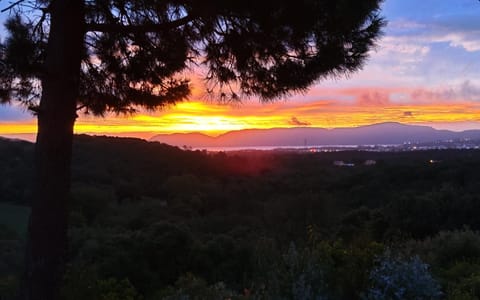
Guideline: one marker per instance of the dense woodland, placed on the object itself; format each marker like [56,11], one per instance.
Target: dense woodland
[150,221]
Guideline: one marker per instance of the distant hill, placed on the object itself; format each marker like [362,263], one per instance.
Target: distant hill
[377,134]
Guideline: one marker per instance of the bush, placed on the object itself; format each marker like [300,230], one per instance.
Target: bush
[298,275]
[189,287]
[85,284]
[396,278]
[449,247]
[462,280]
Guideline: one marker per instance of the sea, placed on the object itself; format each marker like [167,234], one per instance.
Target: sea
[313,148]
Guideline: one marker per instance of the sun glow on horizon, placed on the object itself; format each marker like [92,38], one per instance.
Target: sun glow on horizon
[215,119]
[423,72]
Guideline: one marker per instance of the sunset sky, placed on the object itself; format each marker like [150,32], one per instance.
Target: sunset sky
[426,70]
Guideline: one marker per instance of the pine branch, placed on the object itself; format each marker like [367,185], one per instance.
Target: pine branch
[152,27]
[12,5]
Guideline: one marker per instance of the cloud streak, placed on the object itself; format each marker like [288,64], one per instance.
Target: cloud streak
[294,121]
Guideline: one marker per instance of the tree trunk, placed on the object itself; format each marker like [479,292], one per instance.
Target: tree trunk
[47,233]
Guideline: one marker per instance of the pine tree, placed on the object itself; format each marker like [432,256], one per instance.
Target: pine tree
[63,57]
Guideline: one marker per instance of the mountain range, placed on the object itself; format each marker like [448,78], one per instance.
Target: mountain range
[377,134]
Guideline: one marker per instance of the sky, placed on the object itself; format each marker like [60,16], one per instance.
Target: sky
[425,71]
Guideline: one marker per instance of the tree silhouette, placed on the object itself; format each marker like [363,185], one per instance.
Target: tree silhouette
[100,56]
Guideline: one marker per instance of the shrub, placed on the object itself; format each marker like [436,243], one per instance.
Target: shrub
[298,275]
[396,278]
[189,287]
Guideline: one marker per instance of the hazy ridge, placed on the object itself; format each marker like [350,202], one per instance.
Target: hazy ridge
[377,134]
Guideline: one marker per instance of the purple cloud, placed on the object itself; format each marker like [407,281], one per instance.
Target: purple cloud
[374,98]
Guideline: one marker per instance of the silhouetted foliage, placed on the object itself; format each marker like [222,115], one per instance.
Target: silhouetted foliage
[133,52]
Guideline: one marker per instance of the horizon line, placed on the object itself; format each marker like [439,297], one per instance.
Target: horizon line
[147,135]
